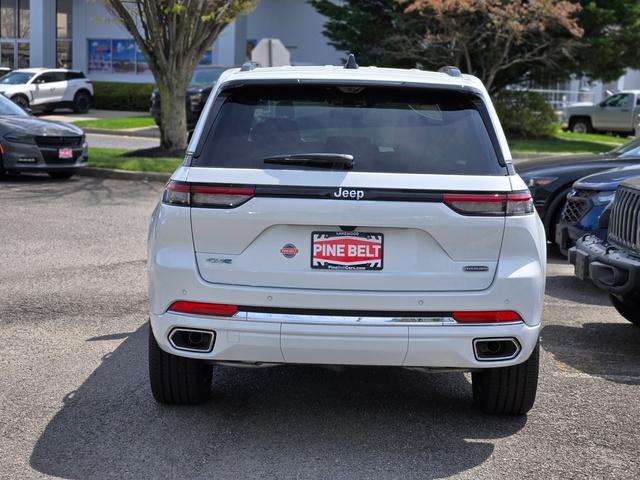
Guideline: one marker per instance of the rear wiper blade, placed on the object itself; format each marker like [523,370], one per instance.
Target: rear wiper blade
[317,160]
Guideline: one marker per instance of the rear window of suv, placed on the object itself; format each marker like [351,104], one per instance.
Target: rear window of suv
[385,129]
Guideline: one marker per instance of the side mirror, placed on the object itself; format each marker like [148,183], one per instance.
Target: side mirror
[602,104]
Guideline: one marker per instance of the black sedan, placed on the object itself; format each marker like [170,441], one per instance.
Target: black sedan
[29,144]
[550,178]
[202,82]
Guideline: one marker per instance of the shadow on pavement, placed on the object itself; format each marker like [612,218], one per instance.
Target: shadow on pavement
[273,422]
[95,189]
[569,287]
[575,290]
[607,350]
[555,257]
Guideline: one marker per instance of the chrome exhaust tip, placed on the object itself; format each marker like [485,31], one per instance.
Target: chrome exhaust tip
[495,349]
[192,339]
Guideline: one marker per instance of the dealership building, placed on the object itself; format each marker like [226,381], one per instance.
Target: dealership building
[83,35]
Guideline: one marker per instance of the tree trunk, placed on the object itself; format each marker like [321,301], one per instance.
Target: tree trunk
[173,130]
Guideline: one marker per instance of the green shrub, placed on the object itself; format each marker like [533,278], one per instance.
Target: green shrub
[122,96]
[525,115]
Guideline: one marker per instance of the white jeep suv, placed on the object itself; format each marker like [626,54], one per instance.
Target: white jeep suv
[45,89]
[347,216]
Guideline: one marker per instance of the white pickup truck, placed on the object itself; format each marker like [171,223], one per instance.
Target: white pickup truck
[616,113]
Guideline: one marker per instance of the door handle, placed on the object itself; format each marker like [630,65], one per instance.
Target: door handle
[625,110]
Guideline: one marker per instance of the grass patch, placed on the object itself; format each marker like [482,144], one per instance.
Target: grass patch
[592,137]
[559,146]
[568,143]
[117,123]
[111,158]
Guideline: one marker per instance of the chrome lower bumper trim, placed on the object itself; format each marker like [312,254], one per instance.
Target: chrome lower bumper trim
[341,320]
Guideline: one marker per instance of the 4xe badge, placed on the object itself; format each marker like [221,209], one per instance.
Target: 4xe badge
[346,250]
[289,250]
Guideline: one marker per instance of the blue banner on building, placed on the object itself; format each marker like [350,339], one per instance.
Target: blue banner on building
[100,55]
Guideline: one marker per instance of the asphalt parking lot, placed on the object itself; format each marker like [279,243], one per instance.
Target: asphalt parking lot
[76,401]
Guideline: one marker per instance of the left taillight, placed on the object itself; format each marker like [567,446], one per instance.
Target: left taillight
[206,196]
[200,308]
[490,204]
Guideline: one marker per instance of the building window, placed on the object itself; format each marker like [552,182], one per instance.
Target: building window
[14,19]
[24,19]
[14,33]
[7,54]
[8,18]
[64,34]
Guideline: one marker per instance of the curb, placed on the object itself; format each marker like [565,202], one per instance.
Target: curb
[123,174]
[144,133]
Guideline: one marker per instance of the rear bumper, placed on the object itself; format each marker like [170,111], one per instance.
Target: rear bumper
[568,234]
[281,340]
[518,285]
[610,268]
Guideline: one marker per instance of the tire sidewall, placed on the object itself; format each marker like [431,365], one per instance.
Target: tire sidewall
[81,102]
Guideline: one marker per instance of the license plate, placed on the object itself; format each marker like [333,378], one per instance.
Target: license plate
[65,153]
[582,266]
[347,250]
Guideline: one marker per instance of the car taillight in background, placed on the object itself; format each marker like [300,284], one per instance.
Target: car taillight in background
[490,204]
[206,196]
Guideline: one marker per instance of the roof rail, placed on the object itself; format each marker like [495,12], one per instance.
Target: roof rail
[247,67]
[451,71]
[351,62]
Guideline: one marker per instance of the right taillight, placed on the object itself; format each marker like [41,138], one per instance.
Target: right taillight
[206,196]
[499,316]
[490,204]
[519,203]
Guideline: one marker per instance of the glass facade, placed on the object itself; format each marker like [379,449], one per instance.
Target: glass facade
[7,54]
[8,18]
[14,33]
[64,33]
[24,19]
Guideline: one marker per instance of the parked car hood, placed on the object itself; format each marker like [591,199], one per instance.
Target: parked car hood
[560,160]
[632,183]
[36,126]
[609,179]
[10,88]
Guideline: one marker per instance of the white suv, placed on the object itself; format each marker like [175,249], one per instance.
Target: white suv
[347,216]
[46,89]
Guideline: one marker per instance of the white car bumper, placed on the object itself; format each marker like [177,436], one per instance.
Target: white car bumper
[331,341]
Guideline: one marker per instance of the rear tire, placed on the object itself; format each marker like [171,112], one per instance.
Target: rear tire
[507,390]
[81,102]
[580,125]
[177,380]
[61,175]
[629,309]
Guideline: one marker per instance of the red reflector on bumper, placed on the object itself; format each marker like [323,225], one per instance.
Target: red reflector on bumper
[487,317]
[198,308]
